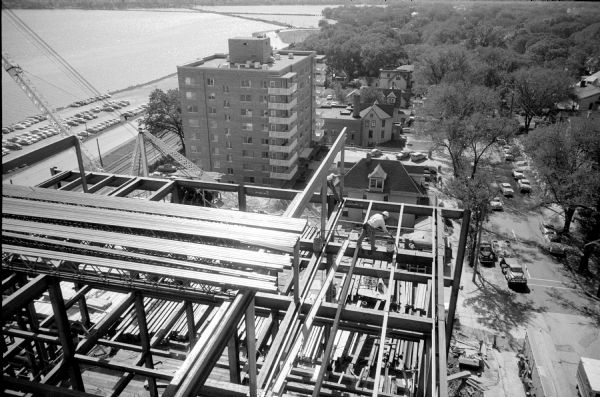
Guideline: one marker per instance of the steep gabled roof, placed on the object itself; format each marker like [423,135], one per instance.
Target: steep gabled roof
[397,179]
[380,110]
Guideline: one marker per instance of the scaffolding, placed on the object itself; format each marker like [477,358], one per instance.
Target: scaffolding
[104,294]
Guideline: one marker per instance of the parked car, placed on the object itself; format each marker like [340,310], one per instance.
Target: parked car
[549,232]
[506,189]
[403,155]
[554,248]
[508,157]
[13,146]
[376,153]
[513,272]
[524,185]
[418,156]
[329,97]
[487,256]
[497,204]
[518,173]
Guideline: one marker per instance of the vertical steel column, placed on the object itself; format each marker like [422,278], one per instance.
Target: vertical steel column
[242,197]
[251,346]
[142,149]
[39,345]
[80,164]
[233,355]
[296,265]
[64,334]
[145,340]
[35,370]
[189,314]
[342,167]
[323,208]
[83,309]
[457,275]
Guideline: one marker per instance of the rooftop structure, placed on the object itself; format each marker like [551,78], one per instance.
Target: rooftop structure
[123,289]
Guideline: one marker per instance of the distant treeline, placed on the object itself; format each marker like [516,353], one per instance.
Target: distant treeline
[125,4]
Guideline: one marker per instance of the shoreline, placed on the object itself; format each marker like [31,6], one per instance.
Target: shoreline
[140,85]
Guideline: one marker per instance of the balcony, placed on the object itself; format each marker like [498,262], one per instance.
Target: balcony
[283,106]
[285,163]
[284,149]
[284,134]
[284,120]
[285,176]
[283,91]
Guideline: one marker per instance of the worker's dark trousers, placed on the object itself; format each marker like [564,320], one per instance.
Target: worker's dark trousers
[369,232]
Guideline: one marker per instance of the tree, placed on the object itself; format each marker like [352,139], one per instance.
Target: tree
[370,95]
[164,113]
[465,123]
[538,90]
[563,155]
[475,195]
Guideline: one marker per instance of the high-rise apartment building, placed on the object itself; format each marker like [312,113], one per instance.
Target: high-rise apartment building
[249,114]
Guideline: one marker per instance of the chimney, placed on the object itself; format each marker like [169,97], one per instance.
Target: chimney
[369,158]
[356,106]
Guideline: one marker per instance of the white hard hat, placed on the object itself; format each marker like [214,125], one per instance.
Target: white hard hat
[386,214]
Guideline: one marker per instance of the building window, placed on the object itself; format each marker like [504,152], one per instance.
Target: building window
[212,123]
[229,158]
[264,84]
[370,134]
[382,123]
[192,108]
[245,98]
[366,123]
[191,95]
[215,150]
[194,149]
[189,81]
[230,171]
[228,144]
[215,138]
[212,110]
[216,164]
[227,117]
[212,96]
[247,126]
[194,123]
[373,123]
[210,81]
[391,100]
[226,88]
[382,134]
[249,179]
[265,127]
[246,84]
[246,112]
[227,131]
[247,139]
[264,141]
[264,155]
[376,184]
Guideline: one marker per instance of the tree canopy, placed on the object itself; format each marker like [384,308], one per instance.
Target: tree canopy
[164,113]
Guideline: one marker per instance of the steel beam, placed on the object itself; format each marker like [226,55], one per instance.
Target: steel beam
[462,242]
[298,204]
[251,348]
[22,296]
[162,192]
[64,334]
[145,341]
[40,389]
[40,154]
[233,356]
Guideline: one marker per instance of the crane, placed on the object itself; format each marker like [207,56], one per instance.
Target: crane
[27,86]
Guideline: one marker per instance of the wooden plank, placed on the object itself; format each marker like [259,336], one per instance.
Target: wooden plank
[23,295]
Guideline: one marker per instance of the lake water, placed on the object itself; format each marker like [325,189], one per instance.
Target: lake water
[117,49]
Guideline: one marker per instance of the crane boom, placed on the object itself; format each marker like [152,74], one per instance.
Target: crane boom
[27,86]
[182,160]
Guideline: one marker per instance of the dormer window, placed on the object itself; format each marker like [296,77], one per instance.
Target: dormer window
[377,179]
[376,184]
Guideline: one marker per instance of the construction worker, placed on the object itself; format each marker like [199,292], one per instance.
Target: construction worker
[375,222]
[333,180]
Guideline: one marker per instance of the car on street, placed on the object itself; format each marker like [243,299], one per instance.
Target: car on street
[487,256]
[329,97]
[418,156]
[518,173]
[524,185]
[376,153]
[13,146]
[549,233]
[506,189]
[556,249]
[403,155]
[513,272]
[496,204]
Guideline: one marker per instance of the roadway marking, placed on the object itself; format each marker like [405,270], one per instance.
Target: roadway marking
[551,286]
[545,279]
